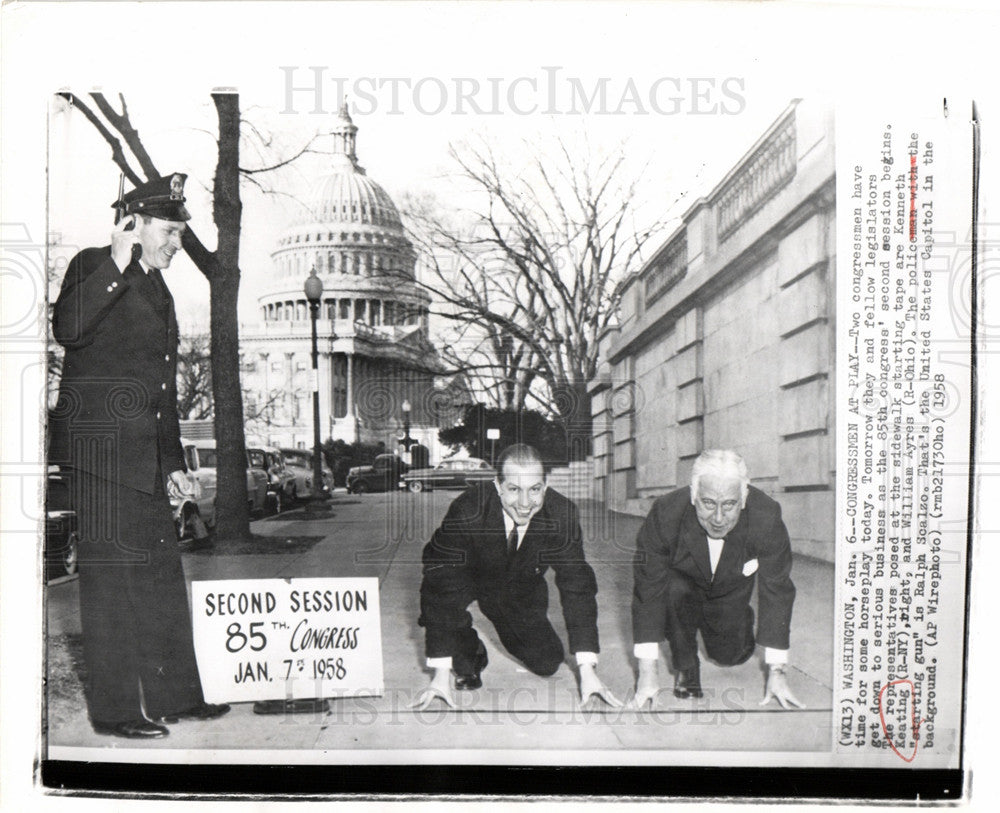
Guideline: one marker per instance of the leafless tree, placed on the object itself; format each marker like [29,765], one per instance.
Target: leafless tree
[260,413]
[533,275]
[194,378]
[220,267]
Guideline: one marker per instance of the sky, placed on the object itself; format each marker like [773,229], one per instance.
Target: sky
[682,131]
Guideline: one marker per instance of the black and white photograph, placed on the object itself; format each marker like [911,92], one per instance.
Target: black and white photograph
[423,399]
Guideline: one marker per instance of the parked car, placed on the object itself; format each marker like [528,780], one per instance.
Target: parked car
[449,474]
[300,463]
[257,482]
[194,514]
[62,549]
[280,481]
[382,475]
[205,471]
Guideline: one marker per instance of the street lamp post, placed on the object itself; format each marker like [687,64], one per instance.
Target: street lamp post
[406,440]
[314,293]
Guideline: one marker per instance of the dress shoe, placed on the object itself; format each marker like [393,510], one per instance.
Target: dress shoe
[473,680]
[132,729]
[687,682]
[203,711]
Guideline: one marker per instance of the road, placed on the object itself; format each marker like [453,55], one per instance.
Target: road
[515,712]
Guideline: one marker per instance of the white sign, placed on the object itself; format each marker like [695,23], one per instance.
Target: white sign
[274,639]
[493,434]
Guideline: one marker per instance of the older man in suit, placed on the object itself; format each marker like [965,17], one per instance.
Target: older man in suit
[493,547]
[115,428]
[698,555]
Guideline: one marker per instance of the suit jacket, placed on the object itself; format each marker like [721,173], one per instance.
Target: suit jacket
[466,561]
[117,411]
[671,538]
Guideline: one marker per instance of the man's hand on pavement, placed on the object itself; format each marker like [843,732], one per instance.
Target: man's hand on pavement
[440,687]
[591,688]
[647,686]
[777,688]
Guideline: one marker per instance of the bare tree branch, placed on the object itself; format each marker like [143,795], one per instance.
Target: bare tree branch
[117,154]
[306,149]
[535,271]
[123,125]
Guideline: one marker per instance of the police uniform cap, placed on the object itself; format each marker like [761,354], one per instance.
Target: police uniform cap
[161,198]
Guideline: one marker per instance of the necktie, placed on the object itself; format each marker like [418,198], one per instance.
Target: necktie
[158,285]
[511,544]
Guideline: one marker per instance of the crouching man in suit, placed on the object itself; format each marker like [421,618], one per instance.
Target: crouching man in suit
[698,555]
[493,547]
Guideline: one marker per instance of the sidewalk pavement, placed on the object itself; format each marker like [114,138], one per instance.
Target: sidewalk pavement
[382,535]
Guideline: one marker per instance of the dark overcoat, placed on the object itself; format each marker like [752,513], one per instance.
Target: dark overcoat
[116,427]
[117,409]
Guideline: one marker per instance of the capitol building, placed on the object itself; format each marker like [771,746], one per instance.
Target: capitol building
[378,371]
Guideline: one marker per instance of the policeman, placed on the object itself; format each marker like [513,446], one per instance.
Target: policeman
[115,428]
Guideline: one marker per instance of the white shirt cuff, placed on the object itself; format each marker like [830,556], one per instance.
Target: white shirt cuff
[648,651]
[775,656]
[584,658]
[439,663]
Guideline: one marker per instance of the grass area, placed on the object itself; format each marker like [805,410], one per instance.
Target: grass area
[65,678]
[255,545]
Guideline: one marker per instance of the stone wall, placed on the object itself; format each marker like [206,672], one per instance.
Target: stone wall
[738,352]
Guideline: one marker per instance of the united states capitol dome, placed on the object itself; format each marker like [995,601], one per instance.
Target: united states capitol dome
[365,339]
[346,194]
[347,226]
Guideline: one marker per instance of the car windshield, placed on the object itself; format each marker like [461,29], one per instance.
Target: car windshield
[208,459]
[256,459]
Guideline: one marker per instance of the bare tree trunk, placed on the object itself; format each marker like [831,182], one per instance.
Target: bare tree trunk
[572,401]
[232,508]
